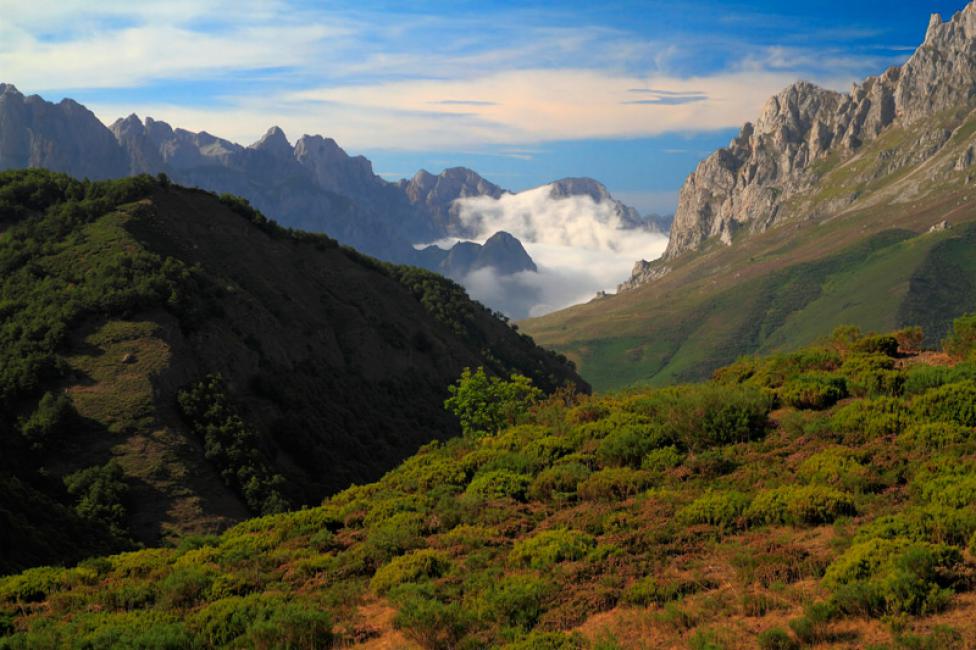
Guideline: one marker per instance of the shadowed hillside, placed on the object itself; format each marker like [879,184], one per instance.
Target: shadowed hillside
[174,362]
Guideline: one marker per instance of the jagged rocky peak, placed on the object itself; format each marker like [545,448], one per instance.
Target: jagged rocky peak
[745,185]
[577,187]
[501,252]
[64,137]
[332,167]
[451,184]
[275,143]
[159,130]
[568,187]
[438,196]
[127,126]
[506,253]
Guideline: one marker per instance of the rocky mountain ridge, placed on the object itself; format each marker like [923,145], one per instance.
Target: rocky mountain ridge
[768,172]
[502,252]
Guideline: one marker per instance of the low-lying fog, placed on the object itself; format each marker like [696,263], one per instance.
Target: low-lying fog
[579,245]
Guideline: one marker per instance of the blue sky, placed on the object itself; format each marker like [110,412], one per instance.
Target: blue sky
[632,93]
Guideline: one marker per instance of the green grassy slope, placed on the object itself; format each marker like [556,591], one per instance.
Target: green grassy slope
[871,262]
[816,499]
[172,363]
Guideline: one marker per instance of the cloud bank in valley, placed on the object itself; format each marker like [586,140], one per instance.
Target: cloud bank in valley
[580,246]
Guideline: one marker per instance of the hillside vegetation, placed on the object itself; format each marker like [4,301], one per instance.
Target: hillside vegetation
[873,262]
[173,362]
[818,498]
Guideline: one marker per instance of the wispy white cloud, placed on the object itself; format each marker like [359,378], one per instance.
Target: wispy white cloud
[381,80]
[545,104]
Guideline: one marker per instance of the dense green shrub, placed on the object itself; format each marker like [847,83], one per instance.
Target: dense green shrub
[428,621]
[952,484]
[885,344]
[551,547]
[518,600]
[614,483]
[657,591]
[933,523]
[836,466]
[872,375]
[936,436]
[52,419]
[485,404]
[381,509]
[892,577]
[866,419]
[950,403]
[413,567]
[775,370]
[712,463]
[265,621]
[394,536]
[231,445]
[426,471]
[546,450]
[292,625]
[100,493]
[808,504]
[628,445]
[813,392]
[776,639]
[559,482]
[707,415]
[961,341]
[31,586]
[661,460]
[499,484]
[920,378]
[724,509]
[185,587]
[616,421]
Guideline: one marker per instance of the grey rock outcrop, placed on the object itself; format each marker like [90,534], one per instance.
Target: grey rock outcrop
[570,187]
[438,195]
[746,186]
[501,252]
[65,137]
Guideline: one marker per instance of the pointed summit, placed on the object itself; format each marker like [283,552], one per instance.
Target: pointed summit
[274,142]
[8,88]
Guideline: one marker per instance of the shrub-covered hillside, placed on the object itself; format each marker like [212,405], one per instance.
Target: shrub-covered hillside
[173,362]
[820,498]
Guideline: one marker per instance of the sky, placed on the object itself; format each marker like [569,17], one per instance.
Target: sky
[633,93]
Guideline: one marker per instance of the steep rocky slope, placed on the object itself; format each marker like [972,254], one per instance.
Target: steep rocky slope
[185,351]
[768,173]
[439,195]
[832,209]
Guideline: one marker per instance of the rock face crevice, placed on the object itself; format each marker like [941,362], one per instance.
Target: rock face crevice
[747,185]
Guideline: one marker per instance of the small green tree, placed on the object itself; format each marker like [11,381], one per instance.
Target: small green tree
[486,404]
[101,492]
[961,342]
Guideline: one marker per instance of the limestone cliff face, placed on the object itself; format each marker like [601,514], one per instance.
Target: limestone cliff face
[65,136]
[437,195]
[745,186]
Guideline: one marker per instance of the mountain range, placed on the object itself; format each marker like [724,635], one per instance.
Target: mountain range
[831,208]
[313,185]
